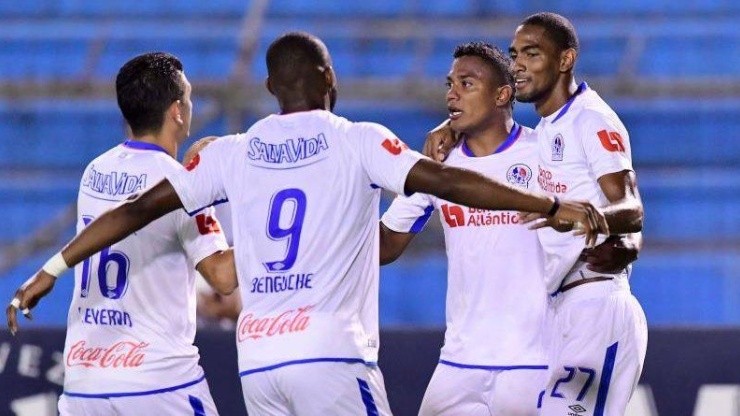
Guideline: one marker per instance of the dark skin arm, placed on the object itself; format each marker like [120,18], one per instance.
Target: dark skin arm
[474,190]
[392,244]
[624,212]
[219,270]
[109,228]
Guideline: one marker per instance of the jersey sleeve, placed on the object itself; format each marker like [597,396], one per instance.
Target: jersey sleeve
[200,235]
[385,158]
[605,143]
[409,214]
[201,183]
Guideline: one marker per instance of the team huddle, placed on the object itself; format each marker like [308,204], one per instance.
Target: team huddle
[540,228]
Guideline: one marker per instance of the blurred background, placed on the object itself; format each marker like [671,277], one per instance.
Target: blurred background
[670,68]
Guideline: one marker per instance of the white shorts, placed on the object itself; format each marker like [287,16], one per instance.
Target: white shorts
[191,400]
[597,345]
[316,389]
[455,391]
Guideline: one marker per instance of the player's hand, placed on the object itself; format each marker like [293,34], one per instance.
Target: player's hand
[581,217]
[440,142]
[27,296]
[538,221]
[587,220]
[196,147]
[614,254]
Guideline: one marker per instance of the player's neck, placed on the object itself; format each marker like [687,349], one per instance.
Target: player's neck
[168,144]
[557,98]
[486,142]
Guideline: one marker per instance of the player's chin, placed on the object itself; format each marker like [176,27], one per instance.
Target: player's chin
[457,124]
[524,96]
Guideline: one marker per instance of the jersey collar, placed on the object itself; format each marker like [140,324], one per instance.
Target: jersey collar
[581,88]
[133,144]
[516,130]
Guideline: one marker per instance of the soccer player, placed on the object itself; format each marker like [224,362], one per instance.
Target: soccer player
[598,333]
[131,321]
[303,189]
[493,361]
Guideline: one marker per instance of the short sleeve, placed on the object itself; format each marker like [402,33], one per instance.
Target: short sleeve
[200,235]
[201,183]
[605,143]
[409,214]
[384,157]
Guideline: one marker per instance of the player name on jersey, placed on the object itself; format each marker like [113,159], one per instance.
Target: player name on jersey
[111,317]
[281,283]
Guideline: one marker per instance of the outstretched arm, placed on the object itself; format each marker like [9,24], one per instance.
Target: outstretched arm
[475,190]
[109,228]
[392,244]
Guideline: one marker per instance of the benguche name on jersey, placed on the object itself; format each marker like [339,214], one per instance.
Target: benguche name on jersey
[107,317]
[282,283]
[289,151]
[113,183]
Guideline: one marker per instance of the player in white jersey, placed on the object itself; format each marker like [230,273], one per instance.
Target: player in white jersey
[131,321]
[493,361]
[303,189]
[598,330]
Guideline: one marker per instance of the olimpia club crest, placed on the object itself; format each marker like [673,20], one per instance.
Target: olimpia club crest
[519,175]
[558,147]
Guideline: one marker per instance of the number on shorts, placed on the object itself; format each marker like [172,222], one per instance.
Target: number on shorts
[106,259]
[569,377]
[292,231]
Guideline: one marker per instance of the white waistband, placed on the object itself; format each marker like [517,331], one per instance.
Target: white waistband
[591,290]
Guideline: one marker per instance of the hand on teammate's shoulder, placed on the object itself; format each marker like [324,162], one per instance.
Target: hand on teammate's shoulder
[440,141]
[196,147]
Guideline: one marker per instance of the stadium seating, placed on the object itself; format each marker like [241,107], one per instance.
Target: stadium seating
[685,149]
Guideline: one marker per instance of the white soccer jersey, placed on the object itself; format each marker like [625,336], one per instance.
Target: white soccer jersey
[303,190]
[578,144]
[495,294]
[131,323]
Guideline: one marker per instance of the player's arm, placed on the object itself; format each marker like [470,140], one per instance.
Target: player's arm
[219,270]
[624,212]
[111,227]
[392,243]
[614,254]
[472,189]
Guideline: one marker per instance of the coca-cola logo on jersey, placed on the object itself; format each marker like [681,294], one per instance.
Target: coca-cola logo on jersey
[290,321]
[122,354]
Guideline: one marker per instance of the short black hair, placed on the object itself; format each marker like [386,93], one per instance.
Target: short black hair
[294,56]
[493,56]
[558,28]
[145,87]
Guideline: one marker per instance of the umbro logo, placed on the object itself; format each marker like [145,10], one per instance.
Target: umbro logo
[577,410]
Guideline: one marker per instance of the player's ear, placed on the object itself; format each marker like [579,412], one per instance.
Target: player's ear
[503,96]
[568,60]
[330,77]
[268,85]
[175,112]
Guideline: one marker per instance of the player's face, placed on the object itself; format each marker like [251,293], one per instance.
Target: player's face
[471,94]
[536,64]
[186,105]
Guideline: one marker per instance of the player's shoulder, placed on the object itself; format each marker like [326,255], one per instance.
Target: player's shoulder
[594,112]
